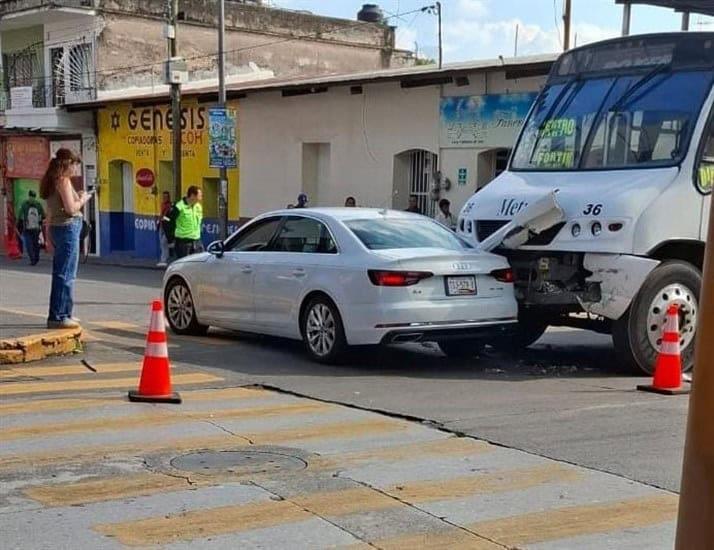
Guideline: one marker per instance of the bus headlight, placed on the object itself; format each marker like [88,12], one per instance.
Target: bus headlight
[575,230]
[596,229]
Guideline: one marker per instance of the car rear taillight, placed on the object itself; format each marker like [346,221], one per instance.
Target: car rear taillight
[504,275]
[397,278]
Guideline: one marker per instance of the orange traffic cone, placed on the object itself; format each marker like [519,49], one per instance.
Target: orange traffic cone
[155,383]
[668,368]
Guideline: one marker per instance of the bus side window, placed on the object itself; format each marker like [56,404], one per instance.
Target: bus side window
[706,164]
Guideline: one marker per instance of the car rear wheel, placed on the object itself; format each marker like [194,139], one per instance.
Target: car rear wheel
[322,331]
[180,309]
[637,334]
[529,329]
[460,349]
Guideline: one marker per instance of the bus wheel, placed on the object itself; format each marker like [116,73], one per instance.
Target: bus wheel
[528,330]
[638,333]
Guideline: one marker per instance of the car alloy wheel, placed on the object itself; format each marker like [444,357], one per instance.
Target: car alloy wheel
[320,330]
[180,307]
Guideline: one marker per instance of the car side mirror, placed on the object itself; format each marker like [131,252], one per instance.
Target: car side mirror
[216,248]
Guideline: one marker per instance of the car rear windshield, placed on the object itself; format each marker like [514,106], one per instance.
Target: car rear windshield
[384,234]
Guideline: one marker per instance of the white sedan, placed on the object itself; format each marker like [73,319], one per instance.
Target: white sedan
[339,277]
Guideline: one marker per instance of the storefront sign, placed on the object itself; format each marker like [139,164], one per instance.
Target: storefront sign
[222,138]
[145,177]
[26,157]
[483,121]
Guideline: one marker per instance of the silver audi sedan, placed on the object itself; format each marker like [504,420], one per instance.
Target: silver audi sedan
[340,277]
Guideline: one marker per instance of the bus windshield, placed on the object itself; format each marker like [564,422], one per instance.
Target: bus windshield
[613,121]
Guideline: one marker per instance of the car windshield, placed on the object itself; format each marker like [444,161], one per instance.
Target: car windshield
[383,234]
[623,121]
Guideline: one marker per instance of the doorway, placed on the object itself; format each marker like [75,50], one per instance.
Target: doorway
[414,175]
[121,206]
[316,172]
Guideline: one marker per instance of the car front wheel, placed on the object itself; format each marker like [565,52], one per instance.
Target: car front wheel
[180,309]
[322,331]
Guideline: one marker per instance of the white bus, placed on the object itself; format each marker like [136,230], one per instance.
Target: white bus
[604,207]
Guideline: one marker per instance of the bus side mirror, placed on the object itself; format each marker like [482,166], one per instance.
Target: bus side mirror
[216,248]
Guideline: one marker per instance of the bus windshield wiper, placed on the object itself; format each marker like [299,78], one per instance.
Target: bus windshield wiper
[658,69]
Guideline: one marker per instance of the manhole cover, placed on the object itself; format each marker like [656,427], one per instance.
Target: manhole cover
[238,462]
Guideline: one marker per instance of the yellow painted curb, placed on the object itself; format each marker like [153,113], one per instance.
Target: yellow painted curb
[34,347]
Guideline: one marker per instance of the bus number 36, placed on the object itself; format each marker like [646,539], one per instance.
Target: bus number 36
[592,209]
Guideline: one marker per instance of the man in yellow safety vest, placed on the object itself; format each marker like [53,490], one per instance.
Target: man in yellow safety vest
[187,215]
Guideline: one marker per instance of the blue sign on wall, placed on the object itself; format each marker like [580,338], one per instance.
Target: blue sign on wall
[483,121]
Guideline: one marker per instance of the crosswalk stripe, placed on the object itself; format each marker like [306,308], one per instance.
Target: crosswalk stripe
[159,417]
[339,430]
[117,325]
[437,540]
[550,525]
[451,446]
[62,404]
[21,388]
[66,370]
[101,490]
[96,490]
[130,327]
[229,519]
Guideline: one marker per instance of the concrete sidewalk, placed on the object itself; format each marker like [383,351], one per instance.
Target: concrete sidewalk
[25,338]
[236,467]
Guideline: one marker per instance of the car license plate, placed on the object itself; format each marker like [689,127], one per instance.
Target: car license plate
[461,286]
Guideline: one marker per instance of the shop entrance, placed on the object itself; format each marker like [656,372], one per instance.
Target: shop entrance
[121,206]
[414,175]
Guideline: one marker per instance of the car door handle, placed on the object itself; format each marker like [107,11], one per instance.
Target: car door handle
[299,272]
[246,269]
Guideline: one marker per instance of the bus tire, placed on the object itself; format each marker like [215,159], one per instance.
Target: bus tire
[636,333]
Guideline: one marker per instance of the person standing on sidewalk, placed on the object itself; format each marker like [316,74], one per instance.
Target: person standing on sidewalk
[30,220]
[64,208]
[164,231]
[187,215]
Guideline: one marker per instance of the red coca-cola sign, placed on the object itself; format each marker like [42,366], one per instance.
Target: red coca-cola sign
[145,177]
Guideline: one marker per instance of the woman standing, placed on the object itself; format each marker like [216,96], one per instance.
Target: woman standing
[64,206]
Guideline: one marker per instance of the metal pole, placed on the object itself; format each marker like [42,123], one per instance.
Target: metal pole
[515,45]
[566,25]
[695,529]
[626,13]
[175,106]
[685,21]
[441,49]
[223,176]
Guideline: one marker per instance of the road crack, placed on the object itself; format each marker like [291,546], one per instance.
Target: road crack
[313,513]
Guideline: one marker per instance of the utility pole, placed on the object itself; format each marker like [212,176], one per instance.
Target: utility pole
[695,529]
[223,173]
[441,46]
[685,21]
[566,25]
[175,99]
[626,14]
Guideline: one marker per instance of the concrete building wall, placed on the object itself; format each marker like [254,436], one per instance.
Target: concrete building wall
[366,133]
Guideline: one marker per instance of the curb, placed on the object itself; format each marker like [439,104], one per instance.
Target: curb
[38,346]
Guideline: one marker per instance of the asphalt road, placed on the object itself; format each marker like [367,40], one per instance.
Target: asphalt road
[565,398]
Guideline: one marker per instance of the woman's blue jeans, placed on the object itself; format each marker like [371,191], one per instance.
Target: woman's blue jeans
[65,239]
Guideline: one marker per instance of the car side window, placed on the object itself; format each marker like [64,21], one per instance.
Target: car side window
[304,235]
[255,238]
[705,172]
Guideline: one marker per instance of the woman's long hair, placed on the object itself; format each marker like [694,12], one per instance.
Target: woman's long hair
[59,166]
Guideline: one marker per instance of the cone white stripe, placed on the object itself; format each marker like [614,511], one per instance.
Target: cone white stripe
[157,322]
[669,348]
[157,349]
[671,324]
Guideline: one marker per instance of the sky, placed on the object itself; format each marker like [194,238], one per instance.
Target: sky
[478,29]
